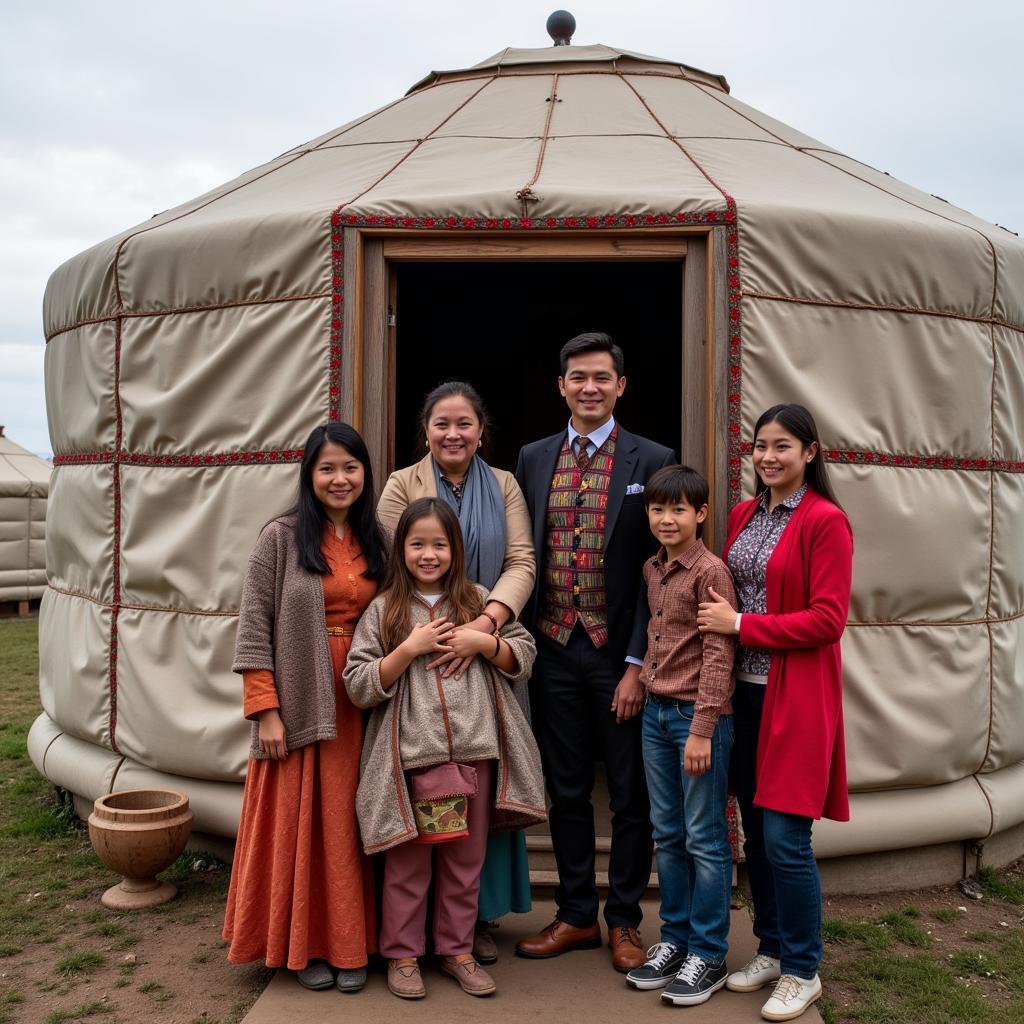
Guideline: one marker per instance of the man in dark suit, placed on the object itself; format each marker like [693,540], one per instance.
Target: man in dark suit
[584,488]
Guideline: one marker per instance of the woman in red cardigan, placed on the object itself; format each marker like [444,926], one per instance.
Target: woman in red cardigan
[790,550]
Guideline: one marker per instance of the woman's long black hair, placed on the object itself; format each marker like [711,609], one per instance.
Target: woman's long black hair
[310,517]
[798,421]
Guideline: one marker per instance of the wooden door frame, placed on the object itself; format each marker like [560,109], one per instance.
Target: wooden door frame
[369,332]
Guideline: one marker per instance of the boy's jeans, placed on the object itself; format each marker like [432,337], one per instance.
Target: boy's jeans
[691,843]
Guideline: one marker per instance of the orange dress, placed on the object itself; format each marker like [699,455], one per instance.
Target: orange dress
[301,888]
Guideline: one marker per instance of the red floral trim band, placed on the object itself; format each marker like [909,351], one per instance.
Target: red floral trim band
[206,459]
[905,461]
[610,220]
[735,329]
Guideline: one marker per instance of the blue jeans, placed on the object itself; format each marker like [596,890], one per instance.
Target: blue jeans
[691,842]
[781,869]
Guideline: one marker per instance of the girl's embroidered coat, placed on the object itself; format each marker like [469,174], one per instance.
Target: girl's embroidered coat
[425,720]
[801,751]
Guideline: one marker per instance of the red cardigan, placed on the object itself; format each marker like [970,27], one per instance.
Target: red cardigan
[801,753]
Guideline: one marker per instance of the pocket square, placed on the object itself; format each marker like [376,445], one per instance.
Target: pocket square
[634,488]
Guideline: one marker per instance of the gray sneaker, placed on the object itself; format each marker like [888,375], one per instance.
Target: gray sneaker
[695,982]
[663,962]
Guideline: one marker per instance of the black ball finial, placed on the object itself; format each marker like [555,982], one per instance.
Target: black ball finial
[561,26]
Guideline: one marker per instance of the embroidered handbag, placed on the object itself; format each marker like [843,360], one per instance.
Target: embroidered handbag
[440,798]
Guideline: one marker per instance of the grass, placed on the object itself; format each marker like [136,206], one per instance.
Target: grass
[982,963]
[947,915]
[880,933]
[86,962]
[79,1013]
[9,998]
[997,887]
[893,976]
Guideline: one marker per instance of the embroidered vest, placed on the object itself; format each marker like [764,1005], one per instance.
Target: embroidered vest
[573,568]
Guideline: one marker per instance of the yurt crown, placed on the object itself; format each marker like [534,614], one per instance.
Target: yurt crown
[560,26]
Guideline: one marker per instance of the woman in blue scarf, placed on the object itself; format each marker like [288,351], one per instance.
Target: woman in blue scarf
[499,556]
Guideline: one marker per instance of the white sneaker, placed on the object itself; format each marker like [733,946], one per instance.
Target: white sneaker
[761,970]
[791,997]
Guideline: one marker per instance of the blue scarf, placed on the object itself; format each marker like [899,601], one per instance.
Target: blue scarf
[482,518]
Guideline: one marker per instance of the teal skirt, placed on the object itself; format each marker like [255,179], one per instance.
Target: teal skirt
[505,878]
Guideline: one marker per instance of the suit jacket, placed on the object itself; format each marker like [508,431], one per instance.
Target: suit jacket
[515,584]
[801,751]
[627,537]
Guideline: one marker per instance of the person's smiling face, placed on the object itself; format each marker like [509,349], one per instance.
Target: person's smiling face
[590,388]
[338,478]
[428,555]
[675,524]
[780,460]
[453,435]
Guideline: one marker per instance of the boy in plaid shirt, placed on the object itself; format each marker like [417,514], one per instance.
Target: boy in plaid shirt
[687,740]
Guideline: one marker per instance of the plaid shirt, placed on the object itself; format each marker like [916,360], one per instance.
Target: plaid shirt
[680,662]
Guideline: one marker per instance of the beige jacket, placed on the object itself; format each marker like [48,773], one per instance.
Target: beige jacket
[515,585]
[424,719]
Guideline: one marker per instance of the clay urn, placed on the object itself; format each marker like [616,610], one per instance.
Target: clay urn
[138,833]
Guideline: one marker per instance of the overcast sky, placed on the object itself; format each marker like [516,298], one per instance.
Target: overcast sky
[112,110]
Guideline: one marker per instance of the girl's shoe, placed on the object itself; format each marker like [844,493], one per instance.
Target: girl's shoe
[404,978]
[350,979]
[791,997]
[485,949]
[759,971]
[468,973]
[317,975]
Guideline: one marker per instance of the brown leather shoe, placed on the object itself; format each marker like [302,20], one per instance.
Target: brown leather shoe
[558,938]
[404,978]
[468,973]
[627,950]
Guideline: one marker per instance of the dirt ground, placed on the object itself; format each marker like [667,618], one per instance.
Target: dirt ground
[168,965]
[964,933]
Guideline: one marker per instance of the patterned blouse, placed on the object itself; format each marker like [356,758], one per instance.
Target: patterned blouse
[748,559]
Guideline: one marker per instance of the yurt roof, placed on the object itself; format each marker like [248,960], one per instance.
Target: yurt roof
[22,474]
[563,136]
[574,59]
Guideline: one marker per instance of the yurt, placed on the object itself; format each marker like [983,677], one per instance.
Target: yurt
[24,484]
[467,229]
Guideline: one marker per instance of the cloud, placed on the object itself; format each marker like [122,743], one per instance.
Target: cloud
[112,112]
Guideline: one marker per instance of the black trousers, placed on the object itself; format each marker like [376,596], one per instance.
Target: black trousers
[571,694]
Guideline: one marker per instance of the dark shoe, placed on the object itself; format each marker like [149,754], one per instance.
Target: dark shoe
[404,978]
[662,965]
[627,949]
[350,979]
[485,949]
[468,973]
[316,975]
[559,938]
[695,982]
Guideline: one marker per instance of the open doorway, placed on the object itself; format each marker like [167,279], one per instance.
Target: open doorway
[500,326]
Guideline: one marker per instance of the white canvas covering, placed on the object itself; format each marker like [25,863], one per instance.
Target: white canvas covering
[189,357]
[24,485]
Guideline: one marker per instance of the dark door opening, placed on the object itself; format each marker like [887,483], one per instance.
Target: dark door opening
[500,326]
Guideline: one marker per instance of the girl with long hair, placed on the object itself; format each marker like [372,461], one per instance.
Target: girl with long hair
[790,550]
[438,737]
[454,430]
[301,892]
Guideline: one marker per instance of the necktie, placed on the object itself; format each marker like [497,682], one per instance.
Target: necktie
[582,458]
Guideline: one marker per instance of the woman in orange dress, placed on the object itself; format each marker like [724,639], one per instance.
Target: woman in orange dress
[301,892]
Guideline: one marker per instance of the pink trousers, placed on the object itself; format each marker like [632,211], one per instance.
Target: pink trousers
[456,873]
